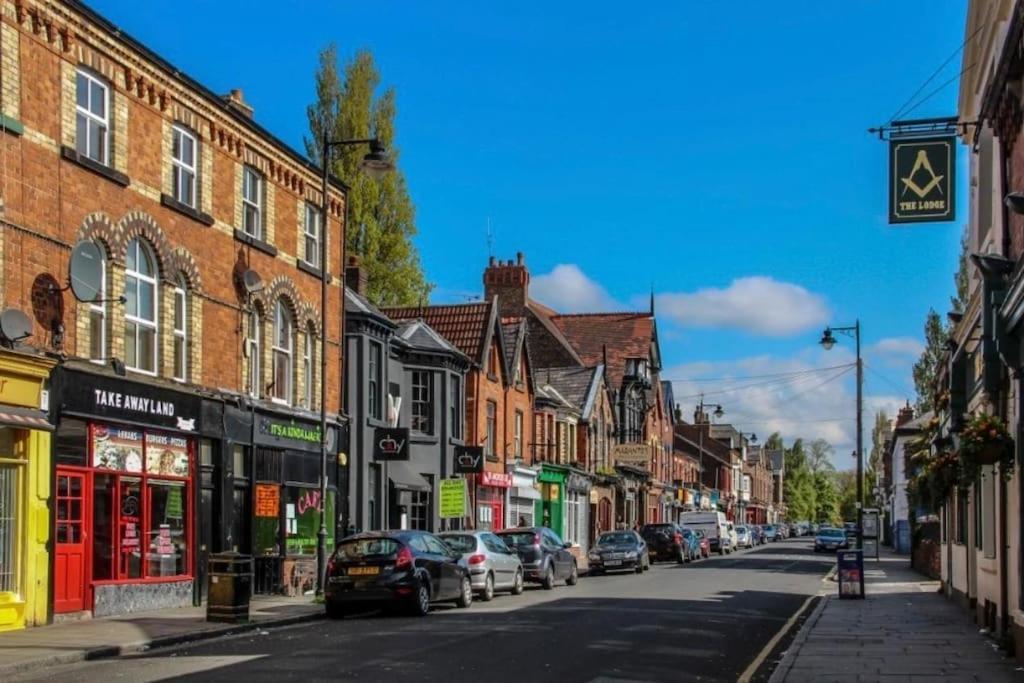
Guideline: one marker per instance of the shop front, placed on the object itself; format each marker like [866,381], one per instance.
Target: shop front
[125,457]
[490,500]
[523,496]
[602,505]
[577,510]
[550,507]
[24,490]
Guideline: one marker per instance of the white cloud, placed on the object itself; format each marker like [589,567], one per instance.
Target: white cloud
[567,289]
[757,304]
[898,348]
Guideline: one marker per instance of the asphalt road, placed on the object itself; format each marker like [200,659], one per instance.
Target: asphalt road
[707,621]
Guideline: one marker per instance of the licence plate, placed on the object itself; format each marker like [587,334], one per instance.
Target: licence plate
[363,571]
[613,563]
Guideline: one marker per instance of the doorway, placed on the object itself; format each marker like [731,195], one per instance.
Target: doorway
[71,567]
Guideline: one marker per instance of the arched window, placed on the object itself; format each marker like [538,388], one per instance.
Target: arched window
[282,348]
[252,350]
[180,330]
[140,312]
[307,366]
[98,315]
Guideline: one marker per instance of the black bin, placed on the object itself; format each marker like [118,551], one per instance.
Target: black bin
[229,588]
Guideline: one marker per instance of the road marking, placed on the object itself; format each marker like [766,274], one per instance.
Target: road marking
[767,650]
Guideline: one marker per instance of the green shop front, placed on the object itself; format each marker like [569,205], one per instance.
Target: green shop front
[551,506]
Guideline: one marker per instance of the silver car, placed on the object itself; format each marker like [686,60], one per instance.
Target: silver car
[492,565]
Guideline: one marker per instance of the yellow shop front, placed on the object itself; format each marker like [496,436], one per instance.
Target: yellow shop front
[24,490]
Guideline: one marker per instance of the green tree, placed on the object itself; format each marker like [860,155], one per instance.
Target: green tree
[935,336]
[962,279]
[826,506]
[798,484]
[846,485]
[880,435]
[381,216]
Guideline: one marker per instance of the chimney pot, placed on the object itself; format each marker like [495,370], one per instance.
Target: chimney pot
[356,277]
[520,260]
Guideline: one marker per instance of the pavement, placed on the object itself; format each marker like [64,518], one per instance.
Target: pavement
[718,619]
[31,651]
[903,630]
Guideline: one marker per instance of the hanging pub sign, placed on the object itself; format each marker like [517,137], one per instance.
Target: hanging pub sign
[391,443]
[469,459]
[922,179]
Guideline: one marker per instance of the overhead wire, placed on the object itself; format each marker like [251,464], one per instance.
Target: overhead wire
[768,383]
[746,377]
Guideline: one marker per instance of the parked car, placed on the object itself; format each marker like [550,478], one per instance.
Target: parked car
[493,566]
[692,543]
[851,529]
[831,539]
[409,569]
[703,543]
[618,550]
[771,533]
[665,542]
[714,525]
[758,531]
[744,537]
[545,557]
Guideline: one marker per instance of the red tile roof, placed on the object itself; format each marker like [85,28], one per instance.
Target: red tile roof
[464,325]
[624,335]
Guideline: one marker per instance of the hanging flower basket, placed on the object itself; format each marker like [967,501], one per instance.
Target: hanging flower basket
[985,440]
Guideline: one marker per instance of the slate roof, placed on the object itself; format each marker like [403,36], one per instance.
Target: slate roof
[419,335]
[572,383]
[624,335]
[464,325]
[356,303]
[510,328]
[690,435]
[778,460]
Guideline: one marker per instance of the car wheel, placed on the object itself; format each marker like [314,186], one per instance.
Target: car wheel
[466,594]
[548,582]
[420,605]
[681,557]
[721,550]
[574,577]
[488,593]
[647,565]
[334,610]
[517,585]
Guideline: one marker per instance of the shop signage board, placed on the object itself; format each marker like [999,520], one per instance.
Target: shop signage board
[496,479]
[391,443]
[117,448]
[453,498]
[922,179]
[469,459]
[268,500]
[120,399]
[636,454]
[284,432]
[166,454]
[851,574]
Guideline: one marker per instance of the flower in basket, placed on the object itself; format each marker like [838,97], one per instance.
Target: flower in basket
[985,440]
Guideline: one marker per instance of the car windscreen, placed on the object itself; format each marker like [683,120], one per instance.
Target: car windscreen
[769,527]
[831,533]
[656,530]
[741,529]
[460,543]
[518,538]
[363,548]
[619,538]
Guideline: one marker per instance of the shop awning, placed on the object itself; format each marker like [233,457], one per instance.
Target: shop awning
[405,478]
[525,492]
[24,418]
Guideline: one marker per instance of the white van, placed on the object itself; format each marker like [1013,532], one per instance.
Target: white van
[714,525]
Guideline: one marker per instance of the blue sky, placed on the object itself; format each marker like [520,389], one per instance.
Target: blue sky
[686,147]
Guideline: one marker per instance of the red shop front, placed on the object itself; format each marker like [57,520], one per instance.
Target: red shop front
[490,500]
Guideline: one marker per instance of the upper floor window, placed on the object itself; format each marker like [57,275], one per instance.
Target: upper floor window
[490,445]
[492,362]
[456,407]
[423,401]
[98,316]
[140,309]
[311,231]
[517,439]
[180,332]
[92,117]
[283,333]
[252,350]
[252,202]
[375,381]
[183,166]
[307,367]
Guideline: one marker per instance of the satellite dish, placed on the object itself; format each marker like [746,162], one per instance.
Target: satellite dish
[15,325]
[252,281]
[86,272]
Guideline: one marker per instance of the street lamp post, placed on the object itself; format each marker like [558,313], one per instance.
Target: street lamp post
[376,163]
[828,340]
[700,435]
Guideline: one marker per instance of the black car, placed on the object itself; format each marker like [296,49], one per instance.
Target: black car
[546,559]
[403,569]
[666,542]
[618,550]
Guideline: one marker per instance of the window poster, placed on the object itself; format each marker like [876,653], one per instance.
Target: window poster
[166,455]
[116,448]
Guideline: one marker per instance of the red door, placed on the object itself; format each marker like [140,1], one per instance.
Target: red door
[70,570]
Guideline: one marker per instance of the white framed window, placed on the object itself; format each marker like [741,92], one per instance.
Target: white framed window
[517,439]
[183,165]
[140,309]
[252,202]
[282,353]
[252,350]
[311,231]
[98,316]
[92,117]
[180,331]
[307,366]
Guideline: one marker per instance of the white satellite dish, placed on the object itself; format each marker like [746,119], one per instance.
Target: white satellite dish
[85,272]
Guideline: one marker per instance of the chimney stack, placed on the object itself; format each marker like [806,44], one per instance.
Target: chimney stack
[510,282]
[356,278]
[905,415]
[237,103]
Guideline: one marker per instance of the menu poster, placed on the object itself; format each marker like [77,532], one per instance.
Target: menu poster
[268,500]
[166,455]
[163,540]
[116,448]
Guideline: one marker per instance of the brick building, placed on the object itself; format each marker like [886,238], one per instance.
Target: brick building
[185,403]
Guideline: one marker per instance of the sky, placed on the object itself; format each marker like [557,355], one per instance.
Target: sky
[717,156]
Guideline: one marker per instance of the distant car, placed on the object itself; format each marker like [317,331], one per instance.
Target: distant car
[851,529]
[665,542]
[545,557]
[830,539]
[493,566]
[692,543]
[407,569]
[771,533]
[744,537]
[703,543]
[619,550]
